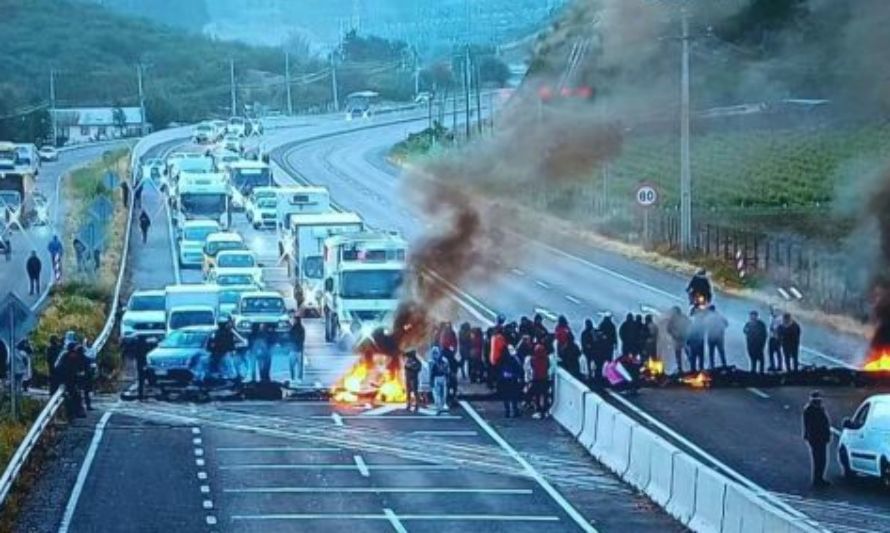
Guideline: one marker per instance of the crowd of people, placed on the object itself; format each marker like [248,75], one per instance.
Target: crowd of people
[72,364]
[519,359]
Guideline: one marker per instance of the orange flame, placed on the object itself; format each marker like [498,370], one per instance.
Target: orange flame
[374,376]
[698,381]
[655,367]
[879,361]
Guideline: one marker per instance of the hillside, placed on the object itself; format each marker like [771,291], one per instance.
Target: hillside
[95,60]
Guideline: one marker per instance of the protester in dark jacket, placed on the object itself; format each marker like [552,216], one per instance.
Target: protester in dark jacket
[817,433]
[628,335]
[33,267]
[650,345]
[570,358]
[412,380]
[144,224]
[476,355]
[72,366]
[755,339]
[298,339]
[510,371]
[540,334]
[607,328]
[678,327]
[588,341]
[789,337]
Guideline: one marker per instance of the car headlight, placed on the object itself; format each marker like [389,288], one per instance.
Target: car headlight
[243,324]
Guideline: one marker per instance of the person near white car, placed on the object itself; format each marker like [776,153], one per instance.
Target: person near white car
[817,433]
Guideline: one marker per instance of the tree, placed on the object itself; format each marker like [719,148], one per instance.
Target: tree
[119,118]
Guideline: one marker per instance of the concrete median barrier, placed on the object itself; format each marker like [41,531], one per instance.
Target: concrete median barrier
[742,513]
[605,424]
[568,402]
[661,471]
[710,498]
[642,449]
[592,404]
[617,454]
[682,503]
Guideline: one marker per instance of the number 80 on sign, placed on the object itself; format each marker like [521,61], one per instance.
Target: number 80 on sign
[646,195]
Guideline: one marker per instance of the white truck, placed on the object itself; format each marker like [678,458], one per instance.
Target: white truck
[245,176]
[298,199]
[303,250]
[191,305]
[261,308]
[144,316]
[203,196]
[261,207]
[363,275]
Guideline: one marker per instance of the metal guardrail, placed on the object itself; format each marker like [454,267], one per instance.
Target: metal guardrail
[51,409]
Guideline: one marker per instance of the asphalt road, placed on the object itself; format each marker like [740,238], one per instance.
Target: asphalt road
[12,273]
[559,277]
[285,466]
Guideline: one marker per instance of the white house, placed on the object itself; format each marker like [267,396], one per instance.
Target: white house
[85,124]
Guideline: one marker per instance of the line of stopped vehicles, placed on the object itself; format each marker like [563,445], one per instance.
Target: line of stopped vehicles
[327,265]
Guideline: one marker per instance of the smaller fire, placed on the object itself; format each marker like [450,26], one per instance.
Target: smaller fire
[879,361]
[654,367]
[698,381]
[391,390]
[351,385]
[374,376]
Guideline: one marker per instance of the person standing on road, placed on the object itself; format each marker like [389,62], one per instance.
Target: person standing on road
[53,351]
[412,380]
[144,224]
[716,327]
[463,348]
[755,339]
[607,328]
[55,248]
[588,342]
[540,385]
[678,330]
[125,194]
[33,266]
[570,357]
[439,379]
[298,338]
[817,433]
[775,343]
[627,334]
[695,342]
[477,349]
[80,251]
[89,372]
[137,195]
[70,369]
[650,350]
[510,373]
[789,337]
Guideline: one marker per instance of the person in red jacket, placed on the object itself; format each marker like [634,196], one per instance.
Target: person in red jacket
[539,362]
[498,347]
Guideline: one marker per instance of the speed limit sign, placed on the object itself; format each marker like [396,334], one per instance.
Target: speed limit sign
[647,196]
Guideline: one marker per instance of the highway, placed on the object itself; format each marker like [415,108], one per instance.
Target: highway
[755,433]
[12,273]
[296,465]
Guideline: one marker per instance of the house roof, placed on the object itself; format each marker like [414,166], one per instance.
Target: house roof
[98,116]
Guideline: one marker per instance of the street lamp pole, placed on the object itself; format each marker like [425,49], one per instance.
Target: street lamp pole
[685,163]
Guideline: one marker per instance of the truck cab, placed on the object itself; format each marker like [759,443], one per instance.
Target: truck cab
[261,308]
[297,200]
[191,237]
[16,184]
[202,196]
[191,305]
[363,277]
[303,250]
[145,315]
[245,176]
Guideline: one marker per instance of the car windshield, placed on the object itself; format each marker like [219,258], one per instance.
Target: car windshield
[182,319]
[234,279]
[185,339]
[236,261]
[313,267]
[880,416]
[154,302]
[371,284]
[269,305]
[266,203]
[198,234]
[203,204]
[9,198]
[213,248]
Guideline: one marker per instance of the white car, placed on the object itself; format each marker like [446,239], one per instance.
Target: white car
[203,133]
[144,316]
[864,446]
[261,207]
[192,234]
[48,153]
[224,159]
[265,308]
[237,262]
[237,126]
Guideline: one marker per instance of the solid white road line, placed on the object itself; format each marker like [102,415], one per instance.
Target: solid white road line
[431,517]
[382,410]
[362,467]
[394,520]
[572,299]
[519,272]
[84,472]
[446,433]
[557,497]
[543,285]
[274,449]
[757,392]
[431,416]
[378,490]
[315,466]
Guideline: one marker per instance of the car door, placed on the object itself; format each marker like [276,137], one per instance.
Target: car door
[862,458]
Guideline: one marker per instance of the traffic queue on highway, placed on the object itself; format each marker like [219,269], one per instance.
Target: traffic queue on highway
[225,331]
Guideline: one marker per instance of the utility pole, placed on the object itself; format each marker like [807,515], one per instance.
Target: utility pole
[467,89]
[334,91]
[685,163]
[290,102]
[141,98]
[52,105]
[477,79]
[232,87]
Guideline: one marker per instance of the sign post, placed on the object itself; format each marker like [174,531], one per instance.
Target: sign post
[646,196]
[14,314]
